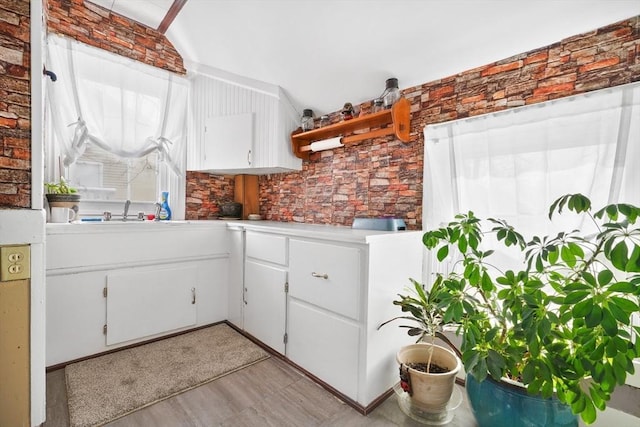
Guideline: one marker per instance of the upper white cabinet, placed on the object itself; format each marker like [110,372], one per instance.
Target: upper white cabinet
[239,126]
[228,142]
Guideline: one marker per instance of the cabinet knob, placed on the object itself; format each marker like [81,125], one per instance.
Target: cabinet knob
[320,276]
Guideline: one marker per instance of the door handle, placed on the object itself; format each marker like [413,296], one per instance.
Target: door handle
[320,276]
[249,157]
[193,295]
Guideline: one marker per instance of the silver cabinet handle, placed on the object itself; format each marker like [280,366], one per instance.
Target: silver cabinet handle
[320,276]
[249,157]
[193,295]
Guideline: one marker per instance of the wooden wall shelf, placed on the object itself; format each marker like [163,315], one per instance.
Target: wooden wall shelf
[397,121]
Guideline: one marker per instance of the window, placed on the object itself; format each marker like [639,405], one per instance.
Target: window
[116,129]
[100,175]
[513,164]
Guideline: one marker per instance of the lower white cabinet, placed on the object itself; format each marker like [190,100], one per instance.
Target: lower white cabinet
[324,344]
[265,303]
[147,302]
[341,286]
[75,316]
[108,286]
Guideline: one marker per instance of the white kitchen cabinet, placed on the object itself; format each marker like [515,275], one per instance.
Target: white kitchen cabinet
[75,316]
[324,297]
[149,301]
[149,289]
[265,303]
[217,94]
[324,344]
[265,284]
[342,283]
[228,142]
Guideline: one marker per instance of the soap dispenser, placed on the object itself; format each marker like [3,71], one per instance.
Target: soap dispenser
[165,210]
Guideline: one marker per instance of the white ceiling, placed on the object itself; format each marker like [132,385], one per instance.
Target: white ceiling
[327,52]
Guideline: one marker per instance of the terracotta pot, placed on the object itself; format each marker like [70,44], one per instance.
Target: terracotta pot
[430,392]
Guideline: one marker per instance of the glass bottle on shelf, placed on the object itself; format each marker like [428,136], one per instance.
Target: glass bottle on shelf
[391,93]
[306,122]
[324,121]
[378,105]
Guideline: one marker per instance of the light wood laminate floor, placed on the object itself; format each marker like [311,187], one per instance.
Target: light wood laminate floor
[269,393]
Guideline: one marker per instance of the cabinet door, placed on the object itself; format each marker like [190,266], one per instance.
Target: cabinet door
[144,302]
[75,316]
[265,303]
[228,142]
[325,345]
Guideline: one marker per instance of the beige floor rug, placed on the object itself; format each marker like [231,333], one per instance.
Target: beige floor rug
[108,387]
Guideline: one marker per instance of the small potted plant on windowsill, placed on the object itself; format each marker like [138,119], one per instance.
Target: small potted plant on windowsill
[558,325]
[61,194]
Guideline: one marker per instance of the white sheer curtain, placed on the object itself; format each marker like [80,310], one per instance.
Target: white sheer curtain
[120,105]
[514,164]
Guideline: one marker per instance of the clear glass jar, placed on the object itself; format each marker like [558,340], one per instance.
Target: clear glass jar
[324,121]
[391,93]
[306,122]
[378,105]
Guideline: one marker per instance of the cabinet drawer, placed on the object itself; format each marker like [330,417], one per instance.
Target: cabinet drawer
[267,247]
[325,275]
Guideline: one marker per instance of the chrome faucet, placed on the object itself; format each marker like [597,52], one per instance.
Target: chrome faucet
[126,210]
[158,208]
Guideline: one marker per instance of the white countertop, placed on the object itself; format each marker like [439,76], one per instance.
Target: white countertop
[316,231]
[118,226]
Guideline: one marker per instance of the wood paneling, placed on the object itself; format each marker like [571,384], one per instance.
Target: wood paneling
[246,192]
[14,353]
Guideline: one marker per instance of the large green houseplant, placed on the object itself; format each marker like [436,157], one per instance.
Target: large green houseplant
[560,322]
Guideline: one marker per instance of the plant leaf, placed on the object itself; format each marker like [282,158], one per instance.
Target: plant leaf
[604,277]
[443,252]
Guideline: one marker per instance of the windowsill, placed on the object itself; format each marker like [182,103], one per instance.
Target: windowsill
[96,207]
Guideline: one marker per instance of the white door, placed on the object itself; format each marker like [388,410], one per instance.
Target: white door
[228,142]
[265,303]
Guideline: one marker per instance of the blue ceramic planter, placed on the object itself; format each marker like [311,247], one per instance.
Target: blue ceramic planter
[497,404]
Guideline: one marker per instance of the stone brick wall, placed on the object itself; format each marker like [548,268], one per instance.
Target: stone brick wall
[204,192]
[97,27]
[15,105]
[384,176]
